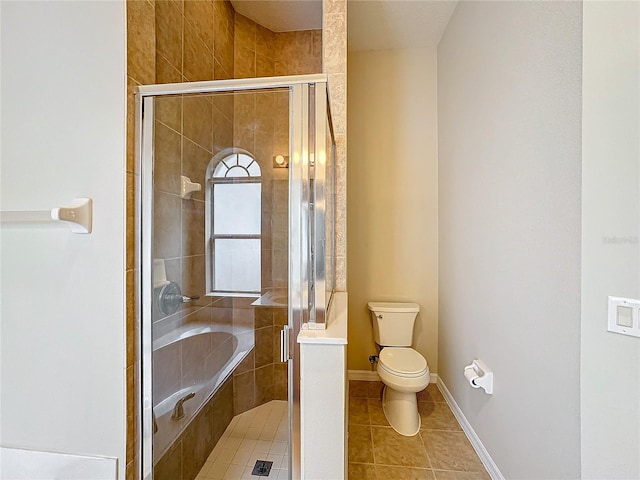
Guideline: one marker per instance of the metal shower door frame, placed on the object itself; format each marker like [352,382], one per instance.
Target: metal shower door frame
[299,238]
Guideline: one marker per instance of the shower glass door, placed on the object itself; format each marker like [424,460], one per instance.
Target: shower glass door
[232,186]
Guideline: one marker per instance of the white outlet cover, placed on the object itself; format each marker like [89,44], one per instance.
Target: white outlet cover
[617,325]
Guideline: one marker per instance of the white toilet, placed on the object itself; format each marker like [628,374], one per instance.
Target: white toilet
[403,370]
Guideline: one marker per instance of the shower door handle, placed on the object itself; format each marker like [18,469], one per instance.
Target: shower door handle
[284,344]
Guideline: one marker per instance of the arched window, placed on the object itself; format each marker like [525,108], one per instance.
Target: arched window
[234,224]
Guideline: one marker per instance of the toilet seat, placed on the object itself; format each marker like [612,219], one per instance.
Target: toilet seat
[403,362]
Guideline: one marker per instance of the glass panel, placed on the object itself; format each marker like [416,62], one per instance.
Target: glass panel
[194,348]
[254,170]
[244,160]
[236,209]
[237,172]
[330,202]
[237,265]
[220,170]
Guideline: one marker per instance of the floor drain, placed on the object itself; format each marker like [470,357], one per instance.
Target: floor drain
[262,468]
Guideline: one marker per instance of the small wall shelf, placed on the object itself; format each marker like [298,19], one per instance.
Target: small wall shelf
[78,215]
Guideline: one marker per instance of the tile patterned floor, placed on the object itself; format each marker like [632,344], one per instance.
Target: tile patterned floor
[261,433]
[441,451]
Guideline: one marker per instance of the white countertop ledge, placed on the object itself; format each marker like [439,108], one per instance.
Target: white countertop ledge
[336,331]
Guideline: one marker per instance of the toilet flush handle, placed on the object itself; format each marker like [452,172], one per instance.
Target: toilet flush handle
[380,316]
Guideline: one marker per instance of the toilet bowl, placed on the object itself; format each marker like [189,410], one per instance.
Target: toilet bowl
[404,373]
[402,369]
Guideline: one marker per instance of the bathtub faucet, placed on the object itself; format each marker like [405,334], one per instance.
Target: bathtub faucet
[178,410]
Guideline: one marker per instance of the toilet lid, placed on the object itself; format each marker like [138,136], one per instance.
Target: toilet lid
[402,361]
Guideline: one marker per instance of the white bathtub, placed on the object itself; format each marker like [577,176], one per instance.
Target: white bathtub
[195,358]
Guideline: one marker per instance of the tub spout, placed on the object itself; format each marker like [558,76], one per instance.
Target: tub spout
[178,410]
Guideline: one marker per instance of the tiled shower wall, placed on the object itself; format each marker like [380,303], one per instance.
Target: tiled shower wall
[175,41]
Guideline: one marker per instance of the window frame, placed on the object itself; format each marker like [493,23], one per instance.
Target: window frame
[210,237]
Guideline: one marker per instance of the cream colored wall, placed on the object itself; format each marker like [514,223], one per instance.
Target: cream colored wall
[392,194]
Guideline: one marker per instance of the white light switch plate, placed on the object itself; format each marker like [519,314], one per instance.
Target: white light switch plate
[618,316]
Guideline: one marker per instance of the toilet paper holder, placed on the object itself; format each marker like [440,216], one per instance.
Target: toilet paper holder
[479,376]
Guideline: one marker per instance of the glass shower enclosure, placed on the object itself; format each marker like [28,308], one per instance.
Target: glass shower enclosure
[235,256]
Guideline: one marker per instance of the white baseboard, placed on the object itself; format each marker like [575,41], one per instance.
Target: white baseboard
[482,452]
[372,376]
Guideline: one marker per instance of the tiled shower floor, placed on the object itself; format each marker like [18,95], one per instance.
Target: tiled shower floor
[261,433]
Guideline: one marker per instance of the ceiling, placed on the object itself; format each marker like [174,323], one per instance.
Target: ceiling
[372,24]
[282,15]
[397,24]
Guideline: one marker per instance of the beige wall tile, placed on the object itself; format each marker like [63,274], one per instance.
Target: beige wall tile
[165,72]
[131,130]
[223,15]
[335,44]
[264,112]
[167,241]
[141,42]
[335,64]
[167,153]
[197,122]
[245,63]
[245,33]
[334,6]
[131,232]
[338,97]
[169,32]
[279,68]
[265,66]
[198,58]
[244,110]
[225,103]
[223,48]
[294,44]
[244,138]
[264,156]
[222,131]
[195,160]
[199,13]
[219,73]
[192,227]
[316,38]
[194,281]
[243,392]
[168,111]
[265,42]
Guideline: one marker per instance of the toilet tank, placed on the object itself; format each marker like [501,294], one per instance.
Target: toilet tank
[393,323]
